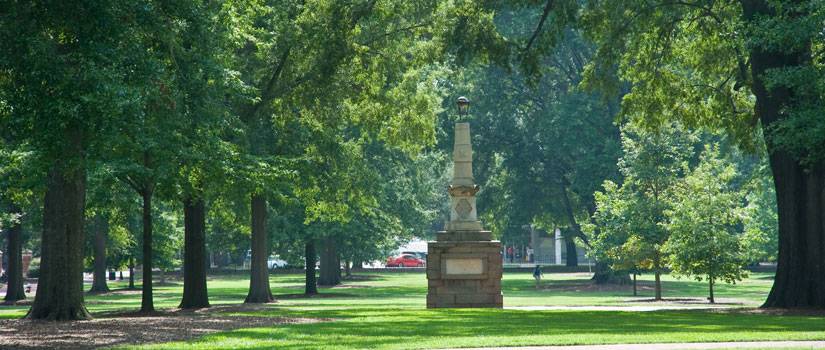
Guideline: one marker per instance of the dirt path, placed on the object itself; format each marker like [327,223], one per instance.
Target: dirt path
[116,329]
[674,346]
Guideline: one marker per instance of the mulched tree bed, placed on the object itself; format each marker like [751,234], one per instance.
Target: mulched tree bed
[133,328]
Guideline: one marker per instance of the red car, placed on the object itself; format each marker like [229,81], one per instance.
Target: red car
[405,260]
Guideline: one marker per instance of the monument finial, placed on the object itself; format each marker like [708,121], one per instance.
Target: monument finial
[463,106]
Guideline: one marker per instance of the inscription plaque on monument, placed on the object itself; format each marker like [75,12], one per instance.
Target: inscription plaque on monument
[464,264]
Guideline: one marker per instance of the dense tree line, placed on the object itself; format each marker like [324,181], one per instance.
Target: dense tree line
[177,133]
[150,123]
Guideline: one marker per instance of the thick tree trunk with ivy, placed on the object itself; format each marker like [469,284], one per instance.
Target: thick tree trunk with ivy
[101,227]
[800,188]
[195,294]
[146,301]
[259,290]
[14,270]
[330,264]
[309,258]
[60,286]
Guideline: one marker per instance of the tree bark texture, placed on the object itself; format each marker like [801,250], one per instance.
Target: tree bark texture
[101,227]
[131,273]
[800,188]
[309,256]
[603,274]
[60,286]
[195,294]
[146,302]
[572,254]
[259,290]
[330,264]
[658,285]
[14,270]
[710,291]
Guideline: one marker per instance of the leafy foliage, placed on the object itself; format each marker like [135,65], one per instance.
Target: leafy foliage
[704,220]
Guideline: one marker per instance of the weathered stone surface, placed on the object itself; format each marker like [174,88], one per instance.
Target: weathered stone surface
[463,235]
[464,265]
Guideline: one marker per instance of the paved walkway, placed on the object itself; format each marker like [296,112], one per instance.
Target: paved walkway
[630,308]
[674,346]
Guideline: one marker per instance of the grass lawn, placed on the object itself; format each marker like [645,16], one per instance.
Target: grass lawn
[386,311]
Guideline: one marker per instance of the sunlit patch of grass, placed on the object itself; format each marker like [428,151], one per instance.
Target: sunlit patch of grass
[370,328]
[386,311]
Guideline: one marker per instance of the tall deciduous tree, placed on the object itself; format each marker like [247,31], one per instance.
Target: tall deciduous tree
[13,228]
[737,66]
[100,227]
[652,163]
[69,86]
[340,69]
[703,223]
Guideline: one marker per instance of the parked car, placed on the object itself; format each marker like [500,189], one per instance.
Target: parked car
[405,260]
[420,255]
[275,262]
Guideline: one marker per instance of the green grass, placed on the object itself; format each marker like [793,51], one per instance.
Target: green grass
[386,311]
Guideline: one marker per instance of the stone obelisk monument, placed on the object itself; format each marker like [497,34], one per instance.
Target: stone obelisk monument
[464,263]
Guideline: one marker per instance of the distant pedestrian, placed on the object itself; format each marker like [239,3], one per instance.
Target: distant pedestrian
[537,274]
[529,254]
[510,253]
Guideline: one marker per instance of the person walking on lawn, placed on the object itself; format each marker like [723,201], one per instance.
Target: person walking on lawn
[537,274]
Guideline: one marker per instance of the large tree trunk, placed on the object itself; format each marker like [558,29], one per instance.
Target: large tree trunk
[800,189]
[146,302]
[572,254]
[259,291]
[60,286]
[101,226]
[131,273]
[14,270]
[330,264]
[309,257]
[603,274]
[799,281]
[194,255]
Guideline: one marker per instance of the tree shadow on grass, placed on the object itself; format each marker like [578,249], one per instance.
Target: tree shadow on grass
[382,328]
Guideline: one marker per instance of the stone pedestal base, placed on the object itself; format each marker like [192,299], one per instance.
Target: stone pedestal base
[464,274]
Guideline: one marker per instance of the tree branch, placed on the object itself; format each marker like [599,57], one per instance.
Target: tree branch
[547,7]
